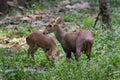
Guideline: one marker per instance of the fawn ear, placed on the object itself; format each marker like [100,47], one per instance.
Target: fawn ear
[58,20]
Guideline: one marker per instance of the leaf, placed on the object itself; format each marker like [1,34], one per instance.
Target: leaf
[11,27]
[32,17]
[37,23]
[1,13]
[9,70]
[26,19]
[1,70]
[13,3]
[88,20]
[82,5]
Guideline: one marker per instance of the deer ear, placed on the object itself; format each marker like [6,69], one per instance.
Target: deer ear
[51,21]
[59,20]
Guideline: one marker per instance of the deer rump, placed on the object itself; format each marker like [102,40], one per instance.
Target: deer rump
[77,42]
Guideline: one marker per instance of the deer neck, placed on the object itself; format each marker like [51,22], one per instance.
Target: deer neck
[59,33]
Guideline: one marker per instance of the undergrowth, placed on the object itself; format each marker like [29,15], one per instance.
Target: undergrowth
[104,63]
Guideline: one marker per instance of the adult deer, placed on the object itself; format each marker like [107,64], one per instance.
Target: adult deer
[76,42]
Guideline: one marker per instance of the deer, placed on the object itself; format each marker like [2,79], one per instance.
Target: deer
[71,42]
[37,40]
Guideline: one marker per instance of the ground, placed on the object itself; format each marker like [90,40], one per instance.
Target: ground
[105,57]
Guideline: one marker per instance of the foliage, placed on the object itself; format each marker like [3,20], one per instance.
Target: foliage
[104,63]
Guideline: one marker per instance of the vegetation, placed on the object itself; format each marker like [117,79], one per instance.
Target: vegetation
[105,58]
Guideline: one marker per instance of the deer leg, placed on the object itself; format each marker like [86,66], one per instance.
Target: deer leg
[32,53]
[34,49]
[88,56]
[49,56]
[89,52]
[46,53]
[29,52]
[77,55]
[79,47]
[68,56]
[52,60]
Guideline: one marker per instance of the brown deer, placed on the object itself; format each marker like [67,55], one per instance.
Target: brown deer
[75,42]
[38,40]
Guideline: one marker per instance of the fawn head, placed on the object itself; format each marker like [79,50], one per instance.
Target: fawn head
[52,25]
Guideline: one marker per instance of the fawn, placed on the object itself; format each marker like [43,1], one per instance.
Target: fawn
[38,40]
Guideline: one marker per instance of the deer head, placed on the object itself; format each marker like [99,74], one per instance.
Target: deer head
[52,25]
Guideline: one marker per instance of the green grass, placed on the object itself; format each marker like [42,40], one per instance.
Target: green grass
[104,63]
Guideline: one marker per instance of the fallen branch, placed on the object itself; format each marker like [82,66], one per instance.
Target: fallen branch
[97,19]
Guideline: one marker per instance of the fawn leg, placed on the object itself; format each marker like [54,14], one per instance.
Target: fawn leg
[32,53]
[34,49]
[29,52]
[49,56]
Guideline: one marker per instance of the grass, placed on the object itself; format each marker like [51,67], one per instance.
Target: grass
[104,63]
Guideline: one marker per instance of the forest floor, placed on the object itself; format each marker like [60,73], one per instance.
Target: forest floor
[14,27]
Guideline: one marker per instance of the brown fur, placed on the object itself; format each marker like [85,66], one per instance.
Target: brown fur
[38,40]
[75,42]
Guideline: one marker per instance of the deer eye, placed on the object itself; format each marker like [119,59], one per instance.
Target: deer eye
[50,26]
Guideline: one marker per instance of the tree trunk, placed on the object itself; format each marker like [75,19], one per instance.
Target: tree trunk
[105,13]
[3,6]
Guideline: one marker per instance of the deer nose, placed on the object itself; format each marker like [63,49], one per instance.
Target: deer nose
[45,32]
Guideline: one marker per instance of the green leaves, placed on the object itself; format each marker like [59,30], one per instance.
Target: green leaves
[105,57]
[70,17]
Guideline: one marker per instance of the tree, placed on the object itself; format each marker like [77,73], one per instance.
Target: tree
[3,6]
[104,13]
